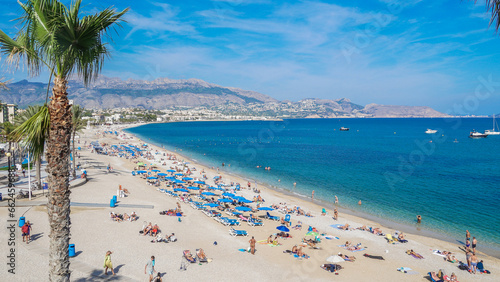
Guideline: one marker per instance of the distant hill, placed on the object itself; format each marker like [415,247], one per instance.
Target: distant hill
[163,93]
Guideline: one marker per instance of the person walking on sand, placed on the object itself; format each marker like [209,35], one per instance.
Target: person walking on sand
[24,231]
[150,268]
[474,243]
[335,214]
[108,264]
[252,245]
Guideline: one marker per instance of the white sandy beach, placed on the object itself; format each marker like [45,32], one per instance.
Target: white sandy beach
[93,233]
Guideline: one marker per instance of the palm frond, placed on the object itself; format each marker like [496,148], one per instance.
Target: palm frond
[33,132]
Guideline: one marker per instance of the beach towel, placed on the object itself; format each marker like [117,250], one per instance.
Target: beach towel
[416,256]
[374,257]
[338,226]
[438,253]
[356,250]
[328,237]
[407,270]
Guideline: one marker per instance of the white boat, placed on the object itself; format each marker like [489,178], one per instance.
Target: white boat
[344,129]
[475,134]
[493,132]
[430,131]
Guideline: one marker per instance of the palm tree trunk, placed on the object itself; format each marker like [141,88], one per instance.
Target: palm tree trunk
[58,205]
[74,156]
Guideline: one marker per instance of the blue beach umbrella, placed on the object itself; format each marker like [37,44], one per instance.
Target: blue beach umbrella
[199,182]
[212,205]
[208,193]
[283,228]
[171,170]
[152,177]
[155,170]
[266,209]
[180,190]
[180,174]
[243,209]
[141,171]
[227,195]
[187,178]
[225,200]
[162,174]
[193,188]
[245,201]
[179,181]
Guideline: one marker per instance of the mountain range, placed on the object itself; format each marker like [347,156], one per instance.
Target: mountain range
[163,93]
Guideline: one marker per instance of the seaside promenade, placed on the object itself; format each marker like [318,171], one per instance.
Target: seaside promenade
[94,233]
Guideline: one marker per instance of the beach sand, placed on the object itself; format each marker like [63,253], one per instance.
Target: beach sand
[94,233]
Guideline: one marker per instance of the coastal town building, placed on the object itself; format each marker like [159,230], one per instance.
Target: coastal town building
[7,112]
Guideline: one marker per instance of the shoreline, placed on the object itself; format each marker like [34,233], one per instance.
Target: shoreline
[357,216]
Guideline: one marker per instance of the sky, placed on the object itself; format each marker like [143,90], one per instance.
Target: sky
[436,53]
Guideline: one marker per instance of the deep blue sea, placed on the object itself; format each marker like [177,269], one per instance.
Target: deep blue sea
[391,165]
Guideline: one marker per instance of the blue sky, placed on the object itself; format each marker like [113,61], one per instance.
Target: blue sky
[437,53]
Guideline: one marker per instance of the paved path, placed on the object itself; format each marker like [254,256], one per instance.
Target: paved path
[76,204]
[94,274]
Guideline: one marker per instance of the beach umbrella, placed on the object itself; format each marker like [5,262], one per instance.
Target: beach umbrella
[179,181]
[283,228]
[187,178]
[266,209]
[245,201]
[208,193]
[141,171]
[228,195]
[199,182]
[162,174]
[152,177]
[312,233]
[212,205]
[180,190]
[243,209]
[193,188]
[334,259]
[225,200]
[140,163]
[180,174]
[155,170]
[171,170]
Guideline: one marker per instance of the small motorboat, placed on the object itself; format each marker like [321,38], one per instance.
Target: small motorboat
[475,134]
[430,131]
[344,129]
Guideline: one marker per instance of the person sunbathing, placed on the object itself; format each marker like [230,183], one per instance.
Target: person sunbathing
[401,238]
[201,254]
[362,228]
[300,253]
[411,252]
[347,258]
[294,249]
[147,229]
[270,239]
[126,217]
[345,227]
[451,258]
[275,241]
[189,256]
[377,231]
[331,267]
[133,216]
[298,226]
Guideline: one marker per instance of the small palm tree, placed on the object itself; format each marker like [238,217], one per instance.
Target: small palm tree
[32,129]
[3,84]
[56,37]
[78,125]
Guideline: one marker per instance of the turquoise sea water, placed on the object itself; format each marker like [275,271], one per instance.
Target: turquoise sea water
[388,164]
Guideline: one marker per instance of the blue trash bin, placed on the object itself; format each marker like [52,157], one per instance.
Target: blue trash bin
[112,203]
[0,197]
[22,220]
[45,185]
[71,250]
[115,199]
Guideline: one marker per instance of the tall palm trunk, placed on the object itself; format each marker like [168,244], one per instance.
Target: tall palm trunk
[58,206]
[74,156]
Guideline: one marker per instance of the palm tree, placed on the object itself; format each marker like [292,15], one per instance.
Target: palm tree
[494,7]
[32,129]
[3,84]
[78,125]
[7,129]
[55,36]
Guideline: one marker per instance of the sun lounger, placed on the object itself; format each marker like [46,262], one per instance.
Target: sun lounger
[234,232]
[188,256]
[390,239]
[254,222]
[434,277]
[269,216]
